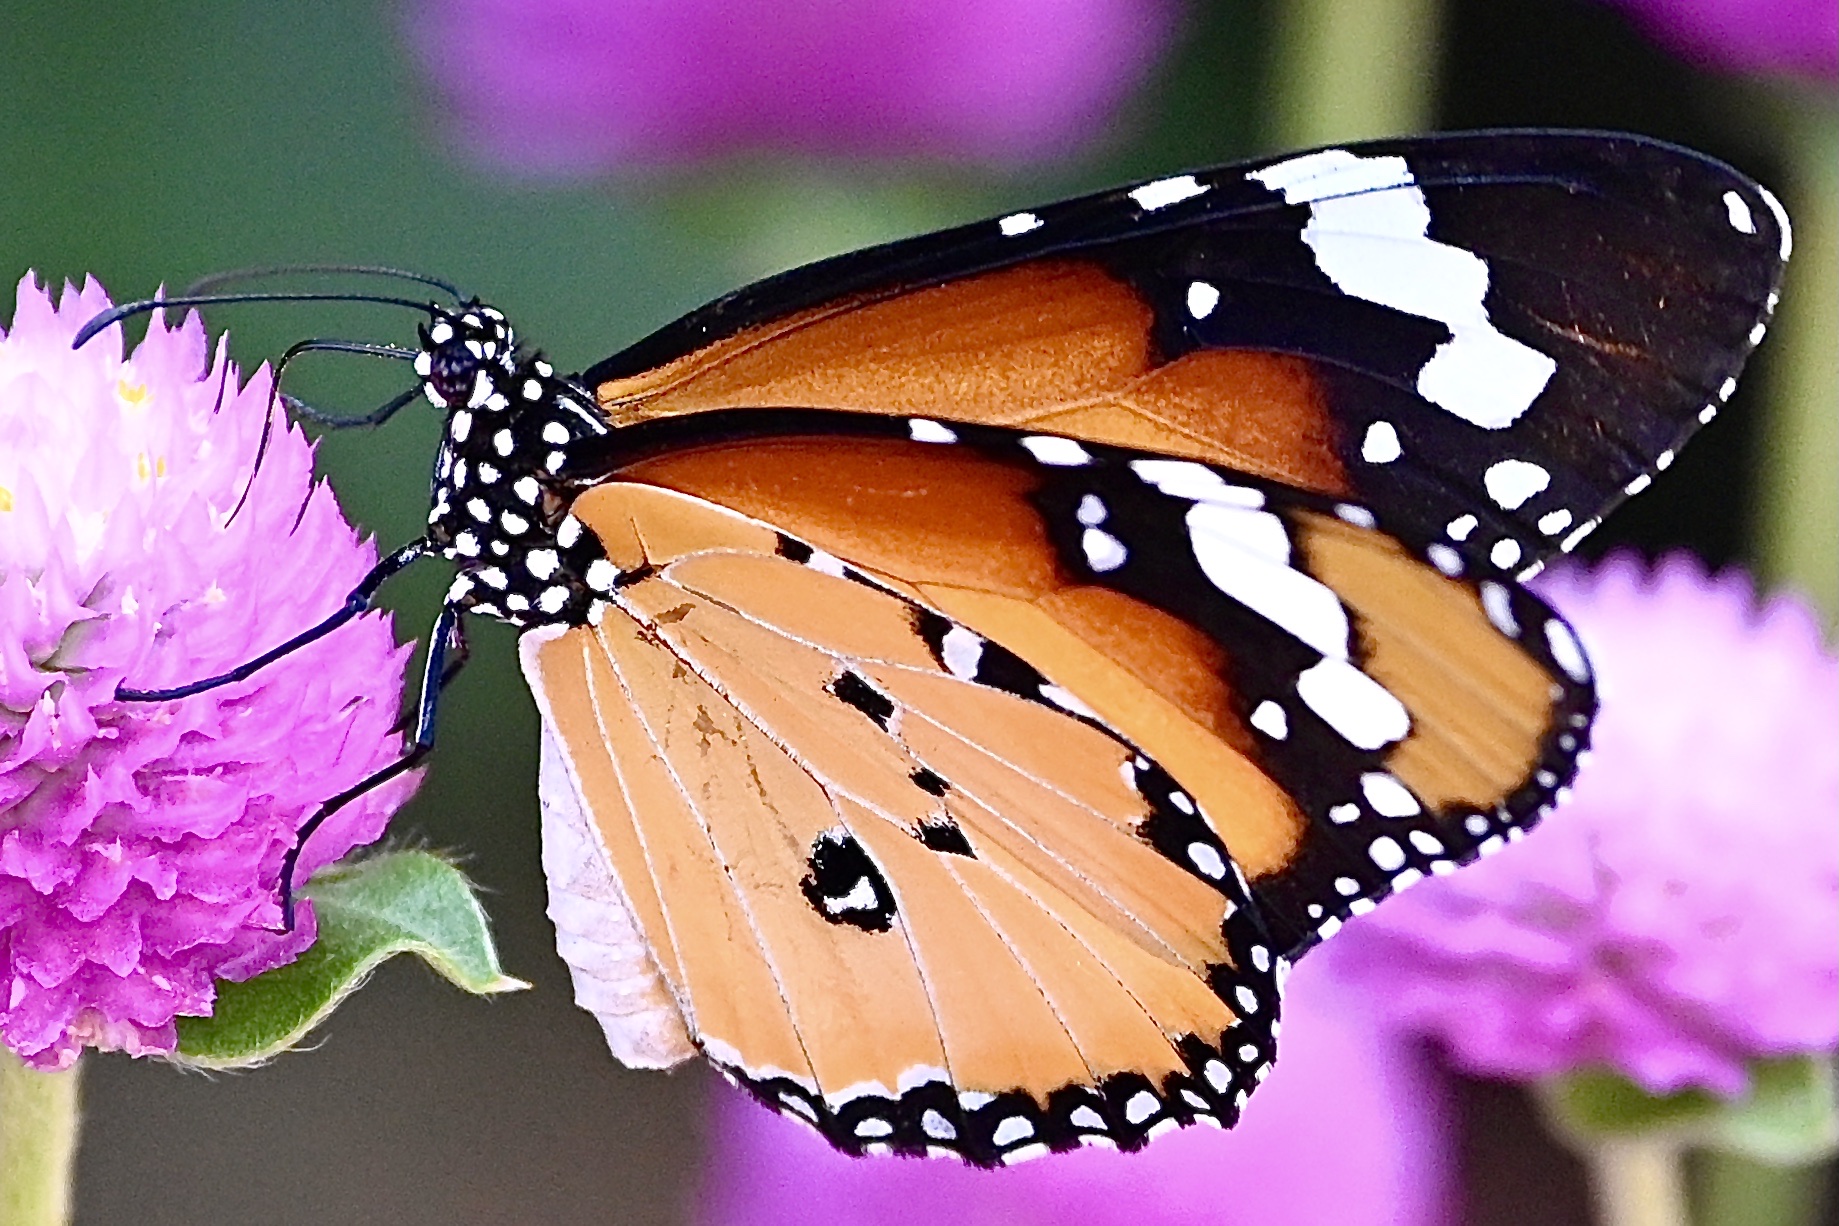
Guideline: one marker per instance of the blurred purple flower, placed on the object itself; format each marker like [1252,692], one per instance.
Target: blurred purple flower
[1676,920]
[1760,36]
[142,842]
[1348,1131]
[578,86]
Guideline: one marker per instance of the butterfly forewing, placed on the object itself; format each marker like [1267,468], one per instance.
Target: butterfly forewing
[1489,337]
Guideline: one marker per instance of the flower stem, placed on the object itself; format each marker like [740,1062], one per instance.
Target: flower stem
[1638,1181]
[1737,1191]
[1350,69]
[38,1142]
[1799,495]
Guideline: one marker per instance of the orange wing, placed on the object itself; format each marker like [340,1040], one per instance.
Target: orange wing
[1281,733]
[1062,347]
[908,907]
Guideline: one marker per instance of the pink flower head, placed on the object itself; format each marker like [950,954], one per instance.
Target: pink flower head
[578,86]
[1348,1130]
[1676,919]
[141,843]
[1760,36]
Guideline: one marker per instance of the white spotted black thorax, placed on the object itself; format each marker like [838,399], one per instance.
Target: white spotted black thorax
[499,505]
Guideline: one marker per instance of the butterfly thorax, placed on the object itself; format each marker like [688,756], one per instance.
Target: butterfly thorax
[499,506]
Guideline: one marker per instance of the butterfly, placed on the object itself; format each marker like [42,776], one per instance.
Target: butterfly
[974,669]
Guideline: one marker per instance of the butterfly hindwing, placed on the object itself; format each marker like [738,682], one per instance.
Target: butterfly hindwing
[1489,338]
[911,907]
[1348,716]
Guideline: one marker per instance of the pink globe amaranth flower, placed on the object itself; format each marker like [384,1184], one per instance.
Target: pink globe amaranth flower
[1799,37]
[141,843]
[1349,1130]
[1675,921]
[580,86]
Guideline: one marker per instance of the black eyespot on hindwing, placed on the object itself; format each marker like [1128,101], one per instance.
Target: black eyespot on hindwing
[930,782]
[945,835]
[858,693]
[844,886]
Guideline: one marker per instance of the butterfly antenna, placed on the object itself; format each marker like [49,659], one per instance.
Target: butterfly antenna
[217,281]
[318,344]
[128,310]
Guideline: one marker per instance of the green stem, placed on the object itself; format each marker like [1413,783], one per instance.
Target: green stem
[1799,493]
[1733,1190]
[1638,1181]
[1351,69]
[38,1141]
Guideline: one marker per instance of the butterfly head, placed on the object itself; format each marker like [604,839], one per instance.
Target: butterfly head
[463,354]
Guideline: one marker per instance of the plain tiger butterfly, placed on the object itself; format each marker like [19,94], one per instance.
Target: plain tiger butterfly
[972,670]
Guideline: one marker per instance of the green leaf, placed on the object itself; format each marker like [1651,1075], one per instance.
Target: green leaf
[1789,1117]
[399,902]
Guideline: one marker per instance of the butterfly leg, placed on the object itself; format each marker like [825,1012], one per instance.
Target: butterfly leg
[448,639]
[358,602]
[335,421]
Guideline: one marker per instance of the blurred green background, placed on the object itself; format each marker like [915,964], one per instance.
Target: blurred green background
[151,144]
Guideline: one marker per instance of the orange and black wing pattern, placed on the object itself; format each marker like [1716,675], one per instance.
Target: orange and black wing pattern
[1494,336]
[974,669]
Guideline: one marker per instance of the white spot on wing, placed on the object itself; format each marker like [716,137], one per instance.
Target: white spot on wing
[1386,853]
[1246,555]
[1164,192]
[1271,719]
[1387,795]
[1015,1128]
[1018,223]
[1498,605]
[1553,522]
[1380,446]
[961,650]
[1202,298]
[1369,228]
[1195,482]
[1364,712]
[826,563]
[1059,452]
[1738,209]
[1566,650]
[1511,482]
[1103,551]
[925,430]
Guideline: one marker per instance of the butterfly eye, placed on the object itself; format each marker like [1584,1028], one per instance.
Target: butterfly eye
[452,371]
